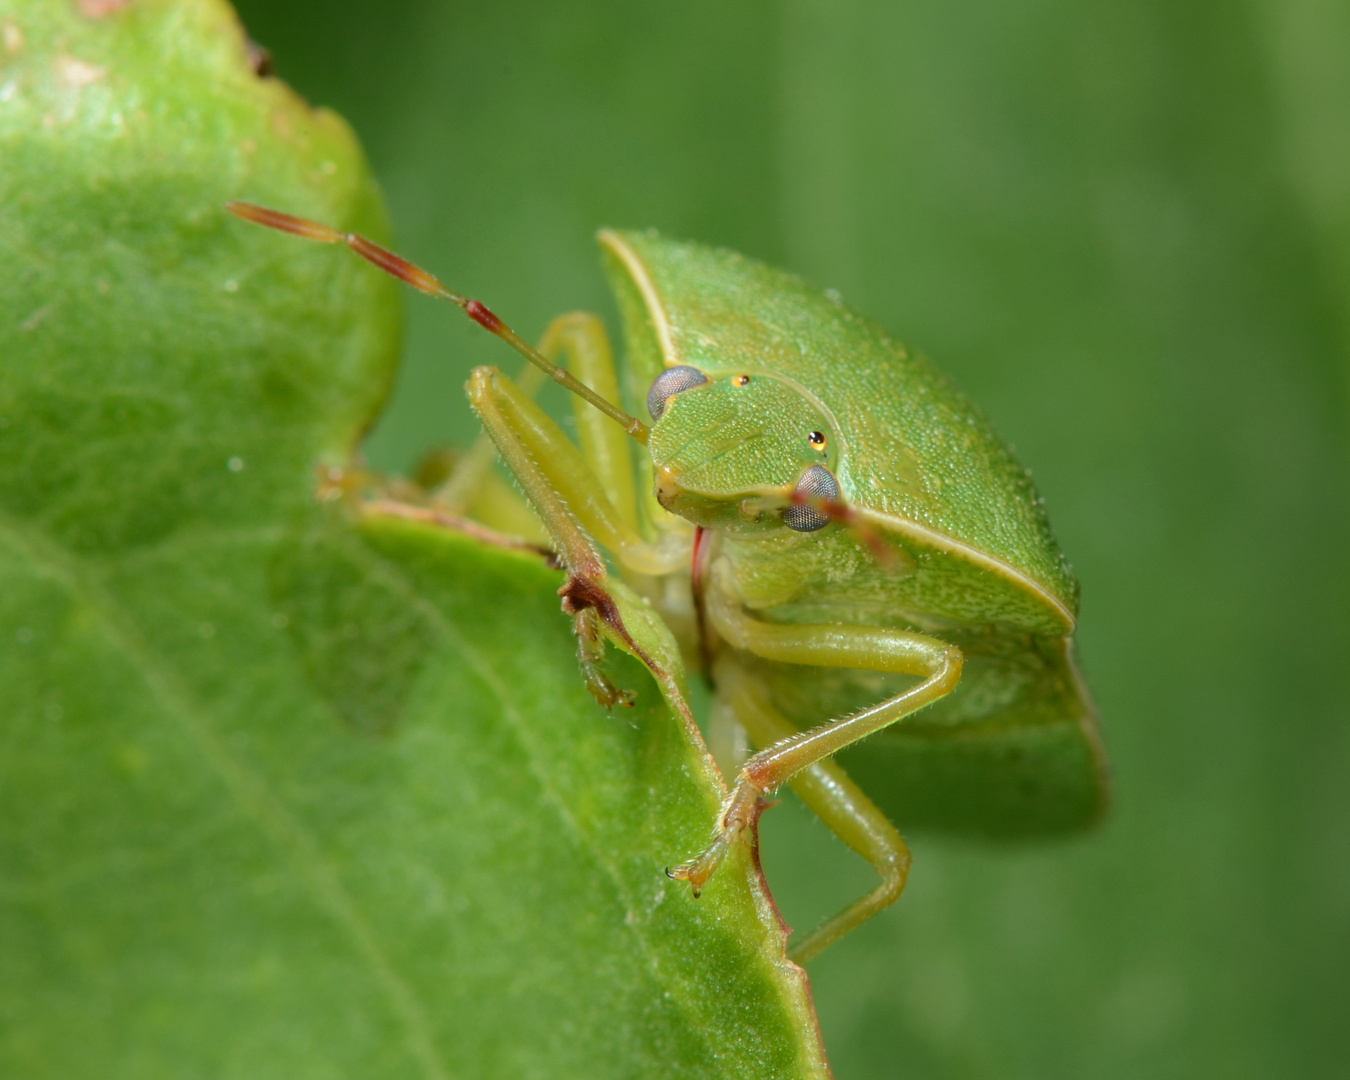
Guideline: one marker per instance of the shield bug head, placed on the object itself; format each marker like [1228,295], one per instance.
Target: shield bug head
[724,445]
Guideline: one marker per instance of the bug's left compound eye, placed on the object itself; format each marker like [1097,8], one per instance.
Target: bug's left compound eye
[669,383]
[816,483]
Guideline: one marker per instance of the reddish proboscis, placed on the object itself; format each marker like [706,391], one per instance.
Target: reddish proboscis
[698,565]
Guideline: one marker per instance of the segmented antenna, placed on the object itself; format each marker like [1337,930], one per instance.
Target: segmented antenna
[419,279]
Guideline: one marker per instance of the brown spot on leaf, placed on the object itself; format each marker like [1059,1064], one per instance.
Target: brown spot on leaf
[259,59]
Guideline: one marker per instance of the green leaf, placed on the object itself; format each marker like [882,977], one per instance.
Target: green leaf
[285,789]
[1120,227]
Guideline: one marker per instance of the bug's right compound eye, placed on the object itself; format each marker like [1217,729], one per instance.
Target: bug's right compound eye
[816,483]
[669,383]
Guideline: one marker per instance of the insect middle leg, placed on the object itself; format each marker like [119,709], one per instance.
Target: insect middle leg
[791,753]
[831,795]
[577,511]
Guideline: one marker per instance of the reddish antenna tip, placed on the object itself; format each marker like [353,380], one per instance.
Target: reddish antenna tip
[400,268]
[385,259]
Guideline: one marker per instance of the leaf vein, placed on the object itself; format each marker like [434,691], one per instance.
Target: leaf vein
[247,788]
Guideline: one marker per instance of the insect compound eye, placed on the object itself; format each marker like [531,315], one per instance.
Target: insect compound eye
[669,383]
[816,483]
[817,440]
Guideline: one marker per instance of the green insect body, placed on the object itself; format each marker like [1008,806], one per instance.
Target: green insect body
[1014,749]
[824,527]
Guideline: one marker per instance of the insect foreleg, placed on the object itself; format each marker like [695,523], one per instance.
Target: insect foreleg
[526,438]
[573,508]
[470,480]
[578,339]
[590,652]
[556,477]
[492,396]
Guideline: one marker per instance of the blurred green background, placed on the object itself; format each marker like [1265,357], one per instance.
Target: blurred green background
[1124,229]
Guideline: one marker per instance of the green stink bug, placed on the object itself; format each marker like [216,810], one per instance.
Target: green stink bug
[824,527]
